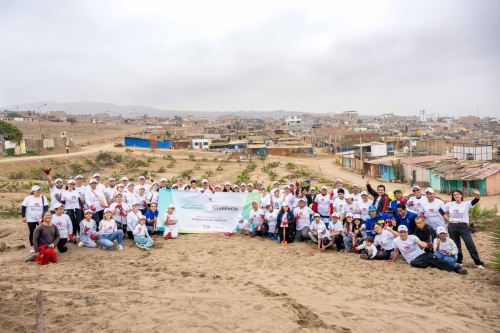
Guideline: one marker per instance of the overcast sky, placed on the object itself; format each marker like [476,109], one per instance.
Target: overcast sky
[314,56]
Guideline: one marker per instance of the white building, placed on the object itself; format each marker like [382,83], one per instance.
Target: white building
[472,151]
[293,121]
[200,143]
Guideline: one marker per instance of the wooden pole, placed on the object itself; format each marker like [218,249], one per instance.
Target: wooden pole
[39,312]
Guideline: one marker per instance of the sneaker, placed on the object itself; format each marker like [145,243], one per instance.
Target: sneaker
[168,235]
[80,244]
[461,270]
[32,249]
[479,266]
[120,247]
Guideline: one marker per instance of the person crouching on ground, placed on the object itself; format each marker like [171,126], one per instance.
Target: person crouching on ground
[411,249]
[87,230]
[151,218]
[171,230]
[271,216]
[259,225]
[286,224]
[336,229]
[444,247]
[141,235]
[45,239]
[368,249]
[62,222]
[108,231]
[242,226]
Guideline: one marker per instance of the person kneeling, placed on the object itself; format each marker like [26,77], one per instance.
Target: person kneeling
[170,223]
[319,234]
[88,230]
[141,235]
[411,247]
[368,249]
[444,247]
[45,239]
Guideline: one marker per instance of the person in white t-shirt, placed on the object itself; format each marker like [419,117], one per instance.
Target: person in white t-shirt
[356,193]
[141,235]
[364,206]
[319,234]
[171,230]
[444,247]
[142,184]
[120,210]
[303,216]
[349,207]
[110,191]
[411,249]
[81,189]
[256,219]
[142,199]
[56,189]
[457,214]
[242,226]
[95,200]
[368,249]
[108,232]
[384,238]
[133,219]
[265,198]
[288,197]
[429,209]
[32,209]
[323,203]
[271,217]
[88,230]
[277,200]
[65,226]
[72,206]
[339,202]
[336,228]
[414,203]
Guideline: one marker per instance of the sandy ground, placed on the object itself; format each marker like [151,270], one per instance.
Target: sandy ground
[211,282]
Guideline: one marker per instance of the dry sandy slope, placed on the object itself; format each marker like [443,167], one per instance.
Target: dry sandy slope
[214,283]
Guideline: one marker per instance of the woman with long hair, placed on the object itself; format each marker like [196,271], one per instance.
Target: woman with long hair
[286,220]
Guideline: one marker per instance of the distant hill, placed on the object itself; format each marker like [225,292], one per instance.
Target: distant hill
[132,111]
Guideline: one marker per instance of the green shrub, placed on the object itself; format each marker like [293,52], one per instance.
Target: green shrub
[118,158]
[186,174]
[76,168]
[161,170]
[104,158]
[220,168]
[191,157]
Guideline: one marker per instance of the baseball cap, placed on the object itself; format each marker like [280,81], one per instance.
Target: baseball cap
[58,180]
[130,184]
[349,215]
[124,179]
[440,230]
[429,190]
[372,208]
[316,215]
[364,193]
[249,184]
[35,188]
[142,177]
[135,203]
[303,200]
[142,218]
[58,205]
[416,187]
[106,210]
[96,175]
[204,181]
[92,181]
[163,180]
[71,181]
[357,216]
[338,180]
[243,184]
[347,196]
[402,227]
[227,183]
[171,206]
[355,185]
[324,188]
[79,177]
[120,185]
[88,211]
[111,179]
[336,215]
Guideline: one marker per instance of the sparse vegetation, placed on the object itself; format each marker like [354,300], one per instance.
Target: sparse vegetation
[191,157]
[161,169]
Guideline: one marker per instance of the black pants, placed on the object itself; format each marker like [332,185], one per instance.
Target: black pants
[263,230]
[97,218]
[31,227]
[461,230]
[289,234]
[61,246]
[130,234]
[339,242]
[76,216]
[384,254]
[429,260]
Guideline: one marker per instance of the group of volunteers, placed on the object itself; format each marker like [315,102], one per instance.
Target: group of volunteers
[426,231]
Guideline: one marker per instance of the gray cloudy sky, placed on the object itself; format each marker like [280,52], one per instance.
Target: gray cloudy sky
[374,56]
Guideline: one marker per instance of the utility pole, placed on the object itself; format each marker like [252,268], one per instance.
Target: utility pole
[361,158]
[39,121]
[411,166]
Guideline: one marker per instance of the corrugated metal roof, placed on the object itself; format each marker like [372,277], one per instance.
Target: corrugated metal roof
[466,171]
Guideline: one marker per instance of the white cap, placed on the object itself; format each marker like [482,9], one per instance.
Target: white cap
[110,179]
[276,190]
[227,183]
[154,183]
[355,185]
[79,177]
[303,200]
[175,186]
[87,211]
[285,204]
[347,196]
[324,188]
[180,179]
[402,227]
[357,216]
[163,180]
[349,215]
[338,180]
[335,214]
[96,175]
[130,184]
[58,205]
[440,230]
[204,181]
[124,179]
[316,215]
[71,181]
[275,183]
[142,218]
[106,210]
[416,187]
[291,184]
[287,187]
[120,185]
[236,186]
[93,181]
[249,184]
[429,190]
[35,188]
[58,180]
[142,177]
[364,193]
[217,186]
[135,203]
[171,206]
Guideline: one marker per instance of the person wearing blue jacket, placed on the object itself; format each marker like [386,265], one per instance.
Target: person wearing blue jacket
[375,217]
[404,217]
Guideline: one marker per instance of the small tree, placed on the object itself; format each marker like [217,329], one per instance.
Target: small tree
[10,132]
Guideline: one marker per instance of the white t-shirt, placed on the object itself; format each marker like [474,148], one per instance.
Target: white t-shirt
[431,212]
[363,209]
[290,199]
[147,188]
[141,230]
[243,225]
[63,223]
[338,205]
[336,227]
[356,197]
[323,202]
[350,208]
[272,219]
[34,207]
[153,196]
[133,220]
[458,212]
[117,216]
[447,246]
[54,193]
[170,217]
[277,203]
[95,198]
[384,240]
[107,227]
[414,204]
[302,217]
[320,228]
[408,248]
[265,200]
[142,200]
[335,194]
[71,199]
[87,228]
[256,216]
[110,193]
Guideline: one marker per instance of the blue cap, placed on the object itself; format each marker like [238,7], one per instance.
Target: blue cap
[372,207]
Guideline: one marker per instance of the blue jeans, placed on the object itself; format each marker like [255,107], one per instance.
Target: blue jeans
[107,240]
[348,242]
[451,259]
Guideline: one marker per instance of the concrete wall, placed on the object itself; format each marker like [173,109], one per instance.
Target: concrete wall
[378,150]
[493,184]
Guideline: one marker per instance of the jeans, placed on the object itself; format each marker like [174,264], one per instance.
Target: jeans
[348,243]
[302,235]
[61,246]
[451,259]
[263,230]
[76,216]
[144,241]
[107,240]
[430,260]
[461,230]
